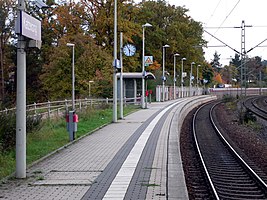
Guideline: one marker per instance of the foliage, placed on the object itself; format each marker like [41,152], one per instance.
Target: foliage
[7,18]
[229,74]
[218,78]
[207,73]
[8,129]
[90,63]
[89,24]
[172,26]
[215,63]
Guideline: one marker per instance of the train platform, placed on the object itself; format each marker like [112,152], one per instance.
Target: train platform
[136,158]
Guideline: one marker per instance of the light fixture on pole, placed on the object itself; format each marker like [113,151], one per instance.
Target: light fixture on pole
[174,75]
[197,77]
[163,72]
[182,77]
[89,87]
[143,65]
[190,80]
[73,76]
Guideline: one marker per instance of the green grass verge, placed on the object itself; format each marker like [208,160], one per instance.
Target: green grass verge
[53,135]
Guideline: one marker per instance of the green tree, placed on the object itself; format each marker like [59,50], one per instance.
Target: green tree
[215,63]
[172,26]
[91,61]
[236,63]
[207,73]
[7,19]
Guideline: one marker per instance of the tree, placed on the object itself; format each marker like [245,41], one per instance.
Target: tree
[215,63]
[91,62]
[7,17]
[207,73]
[236,63]
[89,25]
[172,26]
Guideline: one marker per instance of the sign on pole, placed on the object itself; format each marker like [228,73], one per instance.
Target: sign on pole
[29,27]
[148,60]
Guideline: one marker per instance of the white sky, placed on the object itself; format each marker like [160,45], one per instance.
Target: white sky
[223,13]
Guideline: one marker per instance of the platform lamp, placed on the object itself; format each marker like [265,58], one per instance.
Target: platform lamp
[182,77]
[163,72]
[143,65]
[174,75]
[190,81]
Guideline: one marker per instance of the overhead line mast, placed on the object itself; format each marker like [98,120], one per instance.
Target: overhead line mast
[243,53]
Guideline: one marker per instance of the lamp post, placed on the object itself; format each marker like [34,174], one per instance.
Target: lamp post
[174,75]
[89,88]
[163,72]
[192,63]
[182,78]
[115,64]
[143,65]
[197,77]
[73,76]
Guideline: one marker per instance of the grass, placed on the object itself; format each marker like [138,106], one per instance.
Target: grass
[53,135]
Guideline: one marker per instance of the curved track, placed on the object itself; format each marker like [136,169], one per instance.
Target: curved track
[257,105]
[228,175]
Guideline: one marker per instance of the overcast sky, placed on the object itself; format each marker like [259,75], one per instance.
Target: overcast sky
[230,13]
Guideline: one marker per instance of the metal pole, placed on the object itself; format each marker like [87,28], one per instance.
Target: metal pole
[190,80]
[121,77]
[182,88]
[190,83]
[115,63]
[21,103]
[197,78]
[163,72]
[143,105]
[174,75]
[89,89]
[182,78]
[163,75]
[73,80]
[143,71]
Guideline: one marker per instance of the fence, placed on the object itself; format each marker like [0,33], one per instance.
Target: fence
[59,108]
[179,92]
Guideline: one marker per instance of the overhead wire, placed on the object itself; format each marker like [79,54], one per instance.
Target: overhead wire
[226,17]
[213,12]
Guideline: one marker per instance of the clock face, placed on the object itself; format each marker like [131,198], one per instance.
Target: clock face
[129,50]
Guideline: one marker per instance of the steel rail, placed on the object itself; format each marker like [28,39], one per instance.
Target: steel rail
[244,165]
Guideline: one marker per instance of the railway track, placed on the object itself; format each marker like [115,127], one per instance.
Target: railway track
[228,176]
[257,105]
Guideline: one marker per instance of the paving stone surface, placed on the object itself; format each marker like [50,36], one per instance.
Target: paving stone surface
[110,155]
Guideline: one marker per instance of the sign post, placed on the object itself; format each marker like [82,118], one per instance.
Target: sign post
[27,28]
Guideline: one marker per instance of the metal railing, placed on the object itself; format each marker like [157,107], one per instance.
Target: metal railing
[59,108]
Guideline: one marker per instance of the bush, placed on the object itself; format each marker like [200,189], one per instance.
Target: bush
[249,117]
[8,129]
